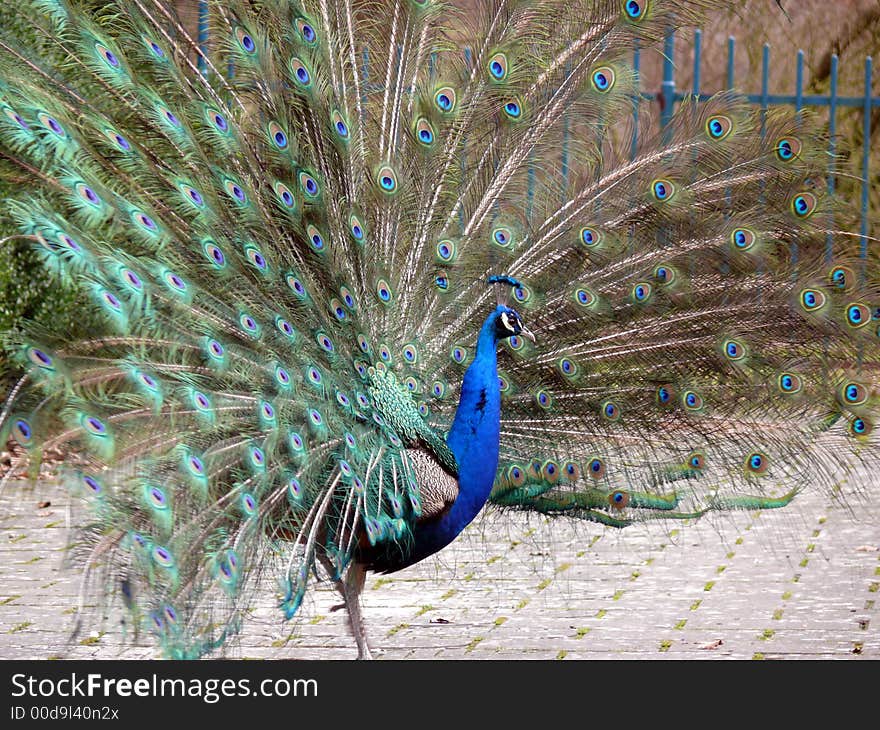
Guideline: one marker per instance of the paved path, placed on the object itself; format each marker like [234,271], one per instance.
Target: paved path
[798,583]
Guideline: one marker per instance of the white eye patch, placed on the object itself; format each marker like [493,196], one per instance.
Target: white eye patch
[505,320]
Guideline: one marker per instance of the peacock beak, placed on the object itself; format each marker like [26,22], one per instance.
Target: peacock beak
[526,333]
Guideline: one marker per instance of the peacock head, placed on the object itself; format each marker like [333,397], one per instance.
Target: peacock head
[508,323]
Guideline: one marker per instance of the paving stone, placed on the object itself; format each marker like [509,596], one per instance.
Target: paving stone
[799,583]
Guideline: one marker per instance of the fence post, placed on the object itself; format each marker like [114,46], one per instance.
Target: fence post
[203,36]
[731,48]
[765,83]
[634,145]
[668,85]
[832,144]
[866,158]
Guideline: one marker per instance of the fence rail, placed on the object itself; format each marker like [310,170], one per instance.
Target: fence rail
[671,95]
[798,100]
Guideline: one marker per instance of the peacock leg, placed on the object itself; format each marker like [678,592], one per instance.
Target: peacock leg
[351,587]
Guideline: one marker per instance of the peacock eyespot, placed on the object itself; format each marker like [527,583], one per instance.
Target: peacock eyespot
[15,117]
[132,280]
[743,239]
[425,132]
[812,299]
[156,497]
[635,9]
[512,109]
[155,48]
[357,230]
[325,343]
[590,237]
[665,274]
[236,191]
[618,499]
[40,358]
[718,127]
[854,394]
[171,118]
[108,56]
[248,322]
[842,277]
[641,292]
[803,205]
[148,381]
[662,190]
[308,185]
[664,395]
[245,41]
[306,31]
[444,99]
[145,222]
[550,471]
[284,327]
[278,136]
[256,258]
[610,411]
[93,484]
[121,142]
[88,195]
[296,286]
[858,315]
[861,427]
[788,149]
[734,350]
[790,383]
[696,460]
[301,74]
[219,121]
[195,196]
[693,401]
[387,179]
[316,240]
[201,402]
[111,301]
[543,399]
[603,79]
[584,297]
[445,251]
[502,236]
[757,463]
[22,432]
[196,466]
[498,67]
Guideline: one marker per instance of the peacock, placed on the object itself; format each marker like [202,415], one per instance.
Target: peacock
[352,286]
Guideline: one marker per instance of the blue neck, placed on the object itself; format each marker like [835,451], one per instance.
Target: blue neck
[473,439]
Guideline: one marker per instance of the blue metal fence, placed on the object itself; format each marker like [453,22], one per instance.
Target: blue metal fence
[765,99]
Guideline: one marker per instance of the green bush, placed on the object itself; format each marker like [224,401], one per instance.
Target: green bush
[29,293]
